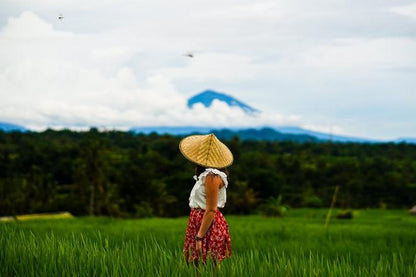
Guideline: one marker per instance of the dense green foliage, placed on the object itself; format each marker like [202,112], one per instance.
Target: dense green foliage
[123,174]
[374,243]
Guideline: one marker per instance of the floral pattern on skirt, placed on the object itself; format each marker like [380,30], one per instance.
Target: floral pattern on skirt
[216,242]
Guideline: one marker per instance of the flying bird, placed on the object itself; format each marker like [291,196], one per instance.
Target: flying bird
[189,54]
[60,17]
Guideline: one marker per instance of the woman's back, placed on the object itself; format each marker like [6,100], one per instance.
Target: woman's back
[197,199]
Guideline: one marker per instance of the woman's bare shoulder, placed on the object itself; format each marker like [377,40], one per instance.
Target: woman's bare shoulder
[215,179]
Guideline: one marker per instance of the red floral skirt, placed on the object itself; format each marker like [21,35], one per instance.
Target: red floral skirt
[216,242]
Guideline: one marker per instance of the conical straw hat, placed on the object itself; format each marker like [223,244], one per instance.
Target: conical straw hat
[206,150]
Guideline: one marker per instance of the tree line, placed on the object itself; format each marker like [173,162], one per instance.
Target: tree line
[123,174]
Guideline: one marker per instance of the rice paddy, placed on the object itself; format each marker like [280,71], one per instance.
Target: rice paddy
[373,243]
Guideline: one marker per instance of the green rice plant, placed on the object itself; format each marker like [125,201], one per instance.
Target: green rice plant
[375,243]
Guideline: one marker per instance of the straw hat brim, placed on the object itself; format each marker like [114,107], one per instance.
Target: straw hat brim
[206,150]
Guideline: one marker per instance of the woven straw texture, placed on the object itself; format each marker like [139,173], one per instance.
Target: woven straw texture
[206,150]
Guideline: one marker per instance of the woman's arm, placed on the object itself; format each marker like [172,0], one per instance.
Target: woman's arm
[212,186]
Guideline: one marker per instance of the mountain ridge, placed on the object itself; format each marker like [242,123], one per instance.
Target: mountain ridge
[255,133]
[267,133]
[10,127]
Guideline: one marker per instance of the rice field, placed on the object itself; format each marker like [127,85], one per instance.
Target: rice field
[373,243]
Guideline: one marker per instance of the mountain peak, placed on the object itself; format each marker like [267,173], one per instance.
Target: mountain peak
[208,96]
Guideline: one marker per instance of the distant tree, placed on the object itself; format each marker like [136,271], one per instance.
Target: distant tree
[241,199]
[123,174]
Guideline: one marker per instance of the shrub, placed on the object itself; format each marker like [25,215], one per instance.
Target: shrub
[347,214]
[143,210]
[273,207]
[312,201]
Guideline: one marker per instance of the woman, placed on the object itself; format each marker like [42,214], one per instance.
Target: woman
[207,231]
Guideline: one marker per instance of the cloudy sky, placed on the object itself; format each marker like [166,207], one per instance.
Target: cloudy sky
[346,67]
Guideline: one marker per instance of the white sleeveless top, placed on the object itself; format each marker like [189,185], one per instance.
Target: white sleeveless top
[198,197]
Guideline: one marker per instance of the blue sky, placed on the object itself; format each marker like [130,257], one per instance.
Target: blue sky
[346,67]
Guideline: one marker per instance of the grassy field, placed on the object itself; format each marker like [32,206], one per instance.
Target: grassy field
[374,243]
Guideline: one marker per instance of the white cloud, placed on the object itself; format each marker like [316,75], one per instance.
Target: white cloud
[61,79]
[118,64]
[219,66]
[365,53]
[221,115]
[328,129]
[406,10]
[18,28]
[269,10]
[56,78]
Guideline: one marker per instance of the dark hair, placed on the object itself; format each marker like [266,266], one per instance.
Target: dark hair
[200,169]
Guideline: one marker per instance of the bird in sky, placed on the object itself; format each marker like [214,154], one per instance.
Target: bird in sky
[60,17]
[189,54]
